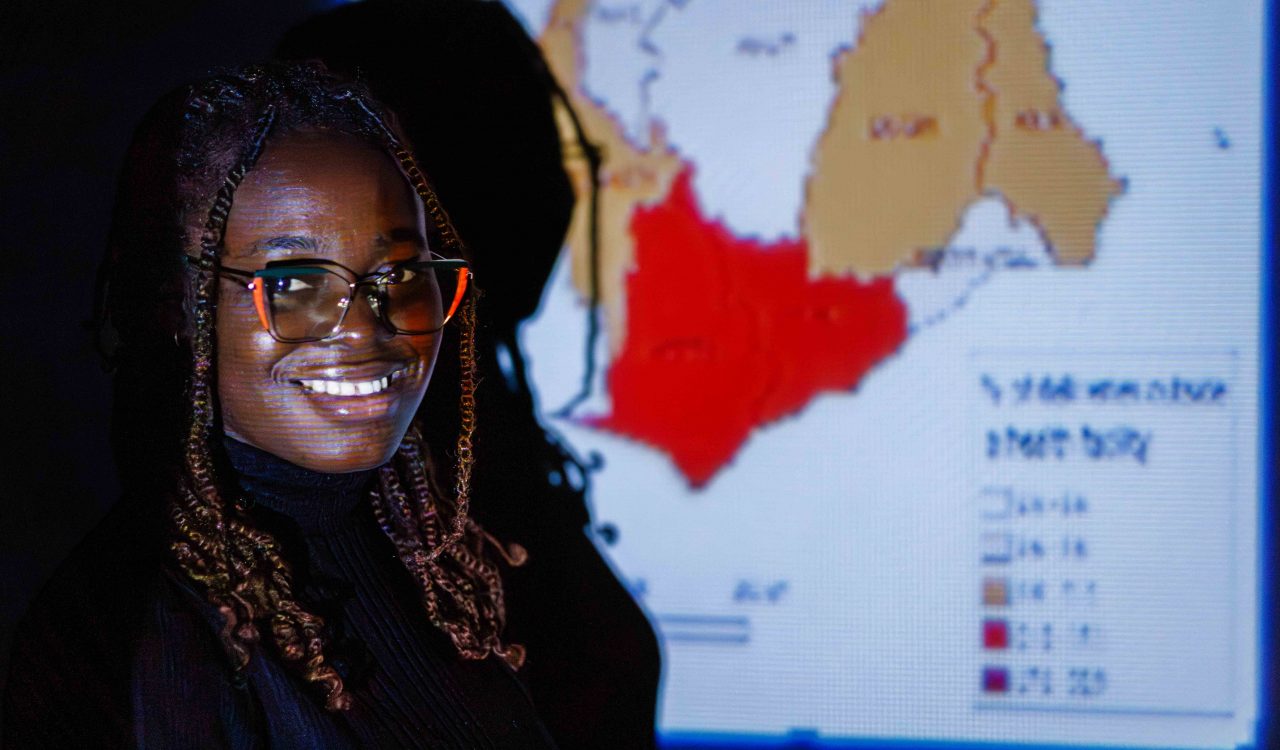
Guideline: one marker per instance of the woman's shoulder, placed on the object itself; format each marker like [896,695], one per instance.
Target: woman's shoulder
[100,594]
[113,648]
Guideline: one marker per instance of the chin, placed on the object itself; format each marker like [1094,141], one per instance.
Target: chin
[342,454]
[345,463]
[318,446]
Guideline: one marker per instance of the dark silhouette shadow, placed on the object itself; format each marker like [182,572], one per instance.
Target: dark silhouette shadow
[474,96]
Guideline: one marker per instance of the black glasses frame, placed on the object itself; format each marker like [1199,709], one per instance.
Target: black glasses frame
[252,280]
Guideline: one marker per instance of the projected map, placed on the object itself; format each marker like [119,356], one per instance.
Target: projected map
[936,106]
[926,391]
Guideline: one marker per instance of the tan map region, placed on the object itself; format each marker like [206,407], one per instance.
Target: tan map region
[630,176]
[940,103]
[896,162]
[1039,160]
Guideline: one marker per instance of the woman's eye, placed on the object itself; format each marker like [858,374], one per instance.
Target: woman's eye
[399,276]
[287,284]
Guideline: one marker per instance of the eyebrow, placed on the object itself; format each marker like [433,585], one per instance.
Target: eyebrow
[401,235]
[310,244]
[285,242]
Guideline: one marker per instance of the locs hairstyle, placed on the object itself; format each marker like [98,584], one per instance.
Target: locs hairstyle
[179,181]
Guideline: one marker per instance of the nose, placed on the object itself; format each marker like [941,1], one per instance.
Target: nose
[362,320]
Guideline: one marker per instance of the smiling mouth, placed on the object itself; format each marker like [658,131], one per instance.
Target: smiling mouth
[344,387]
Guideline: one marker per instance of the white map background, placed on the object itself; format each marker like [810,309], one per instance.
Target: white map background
[862,503]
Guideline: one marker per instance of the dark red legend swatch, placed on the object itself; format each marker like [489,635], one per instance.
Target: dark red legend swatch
[995,680]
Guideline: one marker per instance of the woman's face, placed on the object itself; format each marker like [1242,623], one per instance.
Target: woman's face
[324,196]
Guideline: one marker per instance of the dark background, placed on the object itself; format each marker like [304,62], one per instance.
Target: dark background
[75,79]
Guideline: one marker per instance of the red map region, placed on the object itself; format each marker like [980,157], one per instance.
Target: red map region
[725,334]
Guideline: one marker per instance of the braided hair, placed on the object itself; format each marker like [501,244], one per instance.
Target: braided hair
[187,160]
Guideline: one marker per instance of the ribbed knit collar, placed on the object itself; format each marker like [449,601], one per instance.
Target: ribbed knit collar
[316,501]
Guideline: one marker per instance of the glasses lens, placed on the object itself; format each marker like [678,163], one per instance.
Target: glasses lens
[304,302]
[418,299]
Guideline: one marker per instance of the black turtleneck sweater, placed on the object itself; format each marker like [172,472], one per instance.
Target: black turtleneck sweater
[410,687]
[157,636]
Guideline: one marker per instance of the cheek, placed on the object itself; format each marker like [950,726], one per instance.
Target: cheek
[246,355]
[428,349]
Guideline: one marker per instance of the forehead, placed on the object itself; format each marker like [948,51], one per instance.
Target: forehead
[336,189]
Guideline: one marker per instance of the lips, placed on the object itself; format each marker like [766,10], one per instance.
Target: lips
[352,387]
[366,371]
[366,390]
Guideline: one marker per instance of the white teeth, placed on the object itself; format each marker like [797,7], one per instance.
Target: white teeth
[348,388]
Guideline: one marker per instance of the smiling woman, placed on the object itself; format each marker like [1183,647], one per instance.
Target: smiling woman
[325,203]
[287,568]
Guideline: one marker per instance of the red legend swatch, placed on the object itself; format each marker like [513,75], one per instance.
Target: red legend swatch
[995,634]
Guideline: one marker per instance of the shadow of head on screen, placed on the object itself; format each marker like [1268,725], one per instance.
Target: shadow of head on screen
[475,98]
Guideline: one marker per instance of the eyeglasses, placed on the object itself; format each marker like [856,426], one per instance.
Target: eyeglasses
[307,300]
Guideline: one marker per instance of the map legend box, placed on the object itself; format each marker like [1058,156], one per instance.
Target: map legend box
[997,548]
[1086,507]
[996,503]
